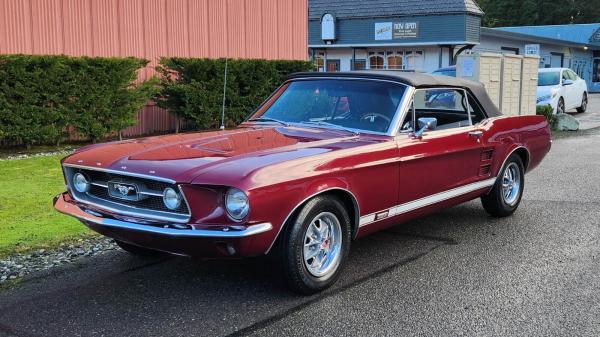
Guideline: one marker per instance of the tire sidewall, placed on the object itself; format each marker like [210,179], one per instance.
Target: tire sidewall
[514,158]
[294,266]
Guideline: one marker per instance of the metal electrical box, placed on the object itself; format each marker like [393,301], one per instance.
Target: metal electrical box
[510,80]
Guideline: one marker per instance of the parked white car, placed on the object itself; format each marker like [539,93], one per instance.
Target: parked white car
[562,89]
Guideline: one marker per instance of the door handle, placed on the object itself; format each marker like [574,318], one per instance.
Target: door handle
[476,134]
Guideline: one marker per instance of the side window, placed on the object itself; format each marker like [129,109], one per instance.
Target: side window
[448,106]
[565,75]
[572,75]
[477,114]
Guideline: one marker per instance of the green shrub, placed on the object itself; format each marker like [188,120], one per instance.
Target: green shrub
[548,112]
[41,96]
[193,88]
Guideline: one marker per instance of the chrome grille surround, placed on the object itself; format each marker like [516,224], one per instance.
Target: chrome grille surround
[149,189]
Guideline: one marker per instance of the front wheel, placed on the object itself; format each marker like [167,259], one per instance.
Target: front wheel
[505,197]
[584,103]
[315,245]
[560,107]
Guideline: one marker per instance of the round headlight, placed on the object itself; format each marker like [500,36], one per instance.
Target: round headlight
[80,183]
[171,198]
[237,204]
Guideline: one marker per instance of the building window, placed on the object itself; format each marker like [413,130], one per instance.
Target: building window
[320,62]
[360,64]
[333,65]
[596,71]
[509,50]
[376,60]
[415,60]
[395,60]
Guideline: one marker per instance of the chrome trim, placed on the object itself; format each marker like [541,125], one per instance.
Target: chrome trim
[142,212]
[226,232]
[125,173]
[305,200]
[400,116]
[426,201]
[513,151]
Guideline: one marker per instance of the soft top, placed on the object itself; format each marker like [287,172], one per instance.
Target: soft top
[417,80]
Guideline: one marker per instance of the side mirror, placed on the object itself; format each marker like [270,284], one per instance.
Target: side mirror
[568,82]
[425,124]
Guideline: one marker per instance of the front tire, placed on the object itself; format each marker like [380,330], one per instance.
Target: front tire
[315,245]
[137,250]
[505,197]
[584,103]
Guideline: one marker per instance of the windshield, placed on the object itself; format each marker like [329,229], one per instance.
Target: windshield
[548,78]
[361,105]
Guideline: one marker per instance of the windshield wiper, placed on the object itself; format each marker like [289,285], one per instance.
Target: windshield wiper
[331,125]
[266,119]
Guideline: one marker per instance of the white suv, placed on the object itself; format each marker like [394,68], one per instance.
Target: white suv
[561,89]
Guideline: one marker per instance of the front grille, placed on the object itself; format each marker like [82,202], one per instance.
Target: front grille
[149,192]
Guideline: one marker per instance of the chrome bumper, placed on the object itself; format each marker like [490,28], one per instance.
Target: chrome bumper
[71,208]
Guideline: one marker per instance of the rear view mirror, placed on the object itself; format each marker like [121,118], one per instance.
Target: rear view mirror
[568,82]
[426,124]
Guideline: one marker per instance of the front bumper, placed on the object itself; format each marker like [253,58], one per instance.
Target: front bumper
[222,241]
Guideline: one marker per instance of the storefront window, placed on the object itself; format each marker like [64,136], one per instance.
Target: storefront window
[320,62]
[596,71]
[360,64]
[376,60]
[414,60]
[395,60]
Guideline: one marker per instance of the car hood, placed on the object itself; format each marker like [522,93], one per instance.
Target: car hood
[546,90]
[183,157]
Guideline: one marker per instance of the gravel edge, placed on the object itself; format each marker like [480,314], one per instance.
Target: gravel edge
[17,266]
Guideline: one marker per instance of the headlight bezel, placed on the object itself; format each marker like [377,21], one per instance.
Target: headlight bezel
[75,182]
[240,211]
[179,198]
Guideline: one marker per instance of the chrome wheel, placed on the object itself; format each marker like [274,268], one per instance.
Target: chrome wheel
[584,103]
[322,244]
[511,184]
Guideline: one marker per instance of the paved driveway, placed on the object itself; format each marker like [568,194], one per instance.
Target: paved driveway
[458,272]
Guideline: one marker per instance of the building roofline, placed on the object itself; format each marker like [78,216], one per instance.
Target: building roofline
[533,38]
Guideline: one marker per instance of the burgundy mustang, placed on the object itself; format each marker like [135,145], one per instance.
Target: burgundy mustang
[327,159]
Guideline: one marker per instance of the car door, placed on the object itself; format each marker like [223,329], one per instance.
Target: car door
[443,163]
[570,91]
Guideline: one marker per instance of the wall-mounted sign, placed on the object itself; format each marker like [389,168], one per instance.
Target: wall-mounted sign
[396,30]
[328,27]
[406,30]
[596,36]
[383,31]
[532,49]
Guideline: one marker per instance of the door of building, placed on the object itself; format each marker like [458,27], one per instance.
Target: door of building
[556,60]
[333,65]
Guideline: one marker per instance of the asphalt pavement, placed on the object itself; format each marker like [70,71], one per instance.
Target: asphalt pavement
[457,272]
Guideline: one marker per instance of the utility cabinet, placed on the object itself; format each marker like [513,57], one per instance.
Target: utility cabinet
[510,80]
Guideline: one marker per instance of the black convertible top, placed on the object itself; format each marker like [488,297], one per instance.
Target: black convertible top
[417,80]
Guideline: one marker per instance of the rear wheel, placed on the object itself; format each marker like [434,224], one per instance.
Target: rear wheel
[315,245]
[137,250]
[505,197]
[584,103]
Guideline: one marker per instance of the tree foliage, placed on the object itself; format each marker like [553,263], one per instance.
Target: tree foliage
[193,88]
[502,13]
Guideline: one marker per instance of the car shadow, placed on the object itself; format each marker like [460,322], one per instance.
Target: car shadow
[121,294]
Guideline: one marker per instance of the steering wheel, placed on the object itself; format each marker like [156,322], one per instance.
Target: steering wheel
[371,116]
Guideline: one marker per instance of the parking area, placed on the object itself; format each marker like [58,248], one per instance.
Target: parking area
[457,272]
[591,118]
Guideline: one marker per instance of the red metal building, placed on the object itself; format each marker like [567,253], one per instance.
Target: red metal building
[268,29]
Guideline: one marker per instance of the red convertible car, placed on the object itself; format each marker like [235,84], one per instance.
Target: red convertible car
[327,159]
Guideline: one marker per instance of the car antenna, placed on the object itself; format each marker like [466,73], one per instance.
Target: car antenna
[223,106]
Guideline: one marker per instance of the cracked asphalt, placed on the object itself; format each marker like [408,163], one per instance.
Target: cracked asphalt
[457,272]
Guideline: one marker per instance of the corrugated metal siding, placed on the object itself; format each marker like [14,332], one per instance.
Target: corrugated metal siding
[473,28]
[270,29]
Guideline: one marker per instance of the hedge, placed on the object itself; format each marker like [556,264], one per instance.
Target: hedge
[548,112]
[43,97]
[192,88]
